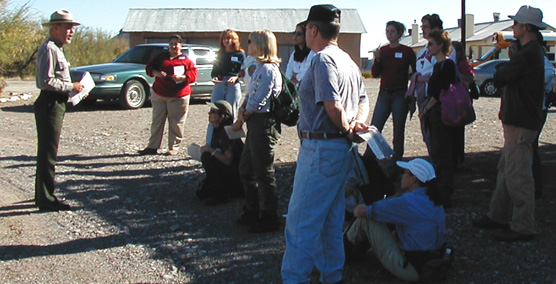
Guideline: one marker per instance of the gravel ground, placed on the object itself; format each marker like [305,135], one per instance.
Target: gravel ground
[136,218]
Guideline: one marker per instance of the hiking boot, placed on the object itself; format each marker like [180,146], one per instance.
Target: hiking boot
[248,218]
[510,236]
[487,223]
[267,223]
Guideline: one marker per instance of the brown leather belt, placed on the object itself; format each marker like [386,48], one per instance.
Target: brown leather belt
[312,135]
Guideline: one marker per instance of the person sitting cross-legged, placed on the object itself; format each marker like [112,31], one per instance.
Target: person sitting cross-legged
[419,221]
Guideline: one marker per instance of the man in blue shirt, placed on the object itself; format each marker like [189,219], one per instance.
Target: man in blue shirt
[333,107]
[419,219]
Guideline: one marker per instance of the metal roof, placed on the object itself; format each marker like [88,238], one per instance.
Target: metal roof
[216,20]
[483,31]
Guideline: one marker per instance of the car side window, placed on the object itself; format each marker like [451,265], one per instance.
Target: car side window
[203,56]
[154,52]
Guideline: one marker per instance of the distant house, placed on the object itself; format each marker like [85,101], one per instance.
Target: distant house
[204,25]
[478,36]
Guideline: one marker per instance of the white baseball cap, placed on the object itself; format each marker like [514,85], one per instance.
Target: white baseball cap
[423,170]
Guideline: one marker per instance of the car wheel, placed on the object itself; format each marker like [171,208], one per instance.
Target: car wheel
[133,95]
[488,89]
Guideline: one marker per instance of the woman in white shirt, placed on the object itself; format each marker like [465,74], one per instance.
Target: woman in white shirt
[300,59]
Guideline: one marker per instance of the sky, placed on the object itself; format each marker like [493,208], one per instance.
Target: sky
[110,15]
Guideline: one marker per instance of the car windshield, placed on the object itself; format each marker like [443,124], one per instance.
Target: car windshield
[140,54]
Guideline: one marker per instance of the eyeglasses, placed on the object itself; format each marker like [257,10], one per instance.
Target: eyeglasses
[298,34]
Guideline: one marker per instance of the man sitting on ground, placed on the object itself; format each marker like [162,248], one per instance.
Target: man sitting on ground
[418,217]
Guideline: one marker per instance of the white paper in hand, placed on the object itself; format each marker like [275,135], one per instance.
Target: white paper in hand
[377,143]
[194,151]
[234,134]
[88,85]
[179,71]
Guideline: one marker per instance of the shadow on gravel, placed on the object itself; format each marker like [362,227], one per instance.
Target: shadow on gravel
[18,252]
[144,201]
[150,201]
[20,108]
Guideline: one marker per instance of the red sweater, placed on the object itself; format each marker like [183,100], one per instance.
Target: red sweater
[167,87]
[393,67]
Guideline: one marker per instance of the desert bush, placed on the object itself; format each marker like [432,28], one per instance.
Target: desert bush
[19,37]
[21,33]
[92,46]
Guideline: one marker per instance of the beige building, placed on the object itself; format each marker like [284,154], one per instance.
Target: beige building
[479,37]
[203,26]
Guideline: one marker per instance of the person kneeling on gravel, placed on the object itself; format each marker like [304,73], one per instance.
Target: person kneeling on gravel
[221,159]
[419,221]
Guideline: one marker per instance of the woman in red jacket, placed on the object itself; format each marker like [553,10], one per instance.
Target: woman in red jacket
[173,73]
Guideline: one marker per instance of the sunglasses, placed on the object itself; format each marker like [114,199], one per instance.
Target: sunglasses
[431,43]
[213,111]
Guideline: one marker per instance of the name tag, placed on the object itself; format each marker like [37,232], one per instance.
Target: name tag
[181,57]
[398,55]
[235,58]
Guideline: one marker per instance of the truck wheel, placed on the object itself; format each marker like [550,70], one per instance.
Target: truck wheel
[133,95]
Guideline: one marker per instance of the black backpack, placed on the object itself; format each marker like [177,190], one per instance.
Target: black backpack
[285,106]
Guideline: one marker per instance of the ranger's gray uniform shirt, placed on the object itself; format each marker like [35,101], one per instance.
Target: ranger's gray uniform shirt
[53,68]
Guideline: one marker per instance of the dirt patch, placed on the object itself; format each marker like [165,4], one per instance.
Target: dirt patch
[136,218]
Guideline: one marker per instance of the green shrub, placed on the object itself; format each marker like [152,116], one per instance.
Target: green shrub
[19,37]
[21,34]
[93,46]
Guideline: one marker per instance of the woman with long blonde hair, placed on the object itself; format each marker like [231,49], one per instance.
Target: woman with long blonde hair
[257,159]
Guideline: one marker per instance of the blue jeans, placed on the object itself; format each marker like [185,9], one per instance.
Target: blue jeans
[316,211]
[392,103]
[229,93]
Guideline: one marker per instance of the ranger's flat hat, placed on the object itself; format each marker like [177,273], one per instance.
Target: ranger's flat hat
[61,16]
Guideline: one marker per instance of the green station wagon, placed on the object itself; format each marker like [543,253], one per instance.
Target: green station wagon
[125,80]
